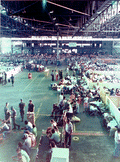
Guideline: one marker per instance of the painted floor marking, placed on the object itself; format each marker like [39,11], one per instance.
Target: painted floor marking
[84,133]
[29,84]
[41,81]
[37,114]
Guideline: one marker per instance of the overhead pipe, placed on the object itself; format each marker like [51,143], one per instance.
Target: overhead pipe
[67,8]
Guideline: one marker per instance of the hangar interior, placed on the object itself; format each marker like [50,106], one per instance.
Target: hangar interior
[38,37]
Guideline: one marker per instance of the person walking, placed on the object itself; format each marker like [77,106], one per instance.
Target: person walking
[68,132]
[13,116]
[22,109]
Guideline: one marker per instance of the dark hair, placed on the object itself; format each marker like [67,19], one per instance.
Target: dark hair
[68,120]
[64,97]
[20,144]
[26,122]
[27,131]
[55,127]
[34,125]
[18,149]
[52,120]
[53,130]
[118,130]
[52,144]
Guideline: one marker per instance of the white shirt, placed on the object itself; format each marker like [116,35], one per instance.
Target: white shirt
[25,156]
[86,99]
[69,128]
[28,142]
[60,98]
[116,137]
[70,109]
[53,125]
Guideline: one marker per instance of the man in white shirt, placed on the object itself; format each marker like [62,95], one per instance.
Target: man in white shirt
[60,97]
[28,126]
[69,111]
[27,141]
[68,132]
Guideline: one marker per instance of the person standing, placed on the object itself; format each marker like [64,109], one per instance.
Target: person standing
[68,132]
[31,106]
[13,116]
[56,75]
[52,74]
[8,118]
[67,71]
[5,77]
[12,79]
[6,108]
[22,109]
[117,143]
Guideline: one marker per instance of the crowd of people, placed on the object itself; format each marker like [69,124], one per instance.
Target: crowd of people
[29,130]
[62,112]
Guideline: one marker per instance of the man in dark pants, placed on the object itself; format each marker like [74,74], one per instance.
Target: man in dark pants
[12,80]
[68,132]
[30,106]
[5,77]
[22,109]
[52,74]
[13,116]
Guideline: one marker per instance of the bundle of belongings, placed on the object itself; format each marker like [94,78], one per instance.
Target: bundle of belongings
[65,85]
[97,107]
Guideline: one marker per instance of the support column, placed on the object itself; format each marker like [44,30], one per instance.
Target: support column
[12,47]
[32,49]
[0,46]
[57,46]
[22,48]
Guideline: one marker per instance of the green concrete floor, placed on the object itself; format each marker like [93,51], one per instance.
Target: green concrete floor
[91,147]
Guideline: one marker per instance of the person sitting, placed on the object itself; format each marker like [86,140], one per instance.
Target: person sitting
[28,126]
[32,136]
[55,137]
[21,155]
[24,147]
[27,141]
[53,124]
[117,92]
[4,126]
[34,131]
[112,92]
[4,129]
